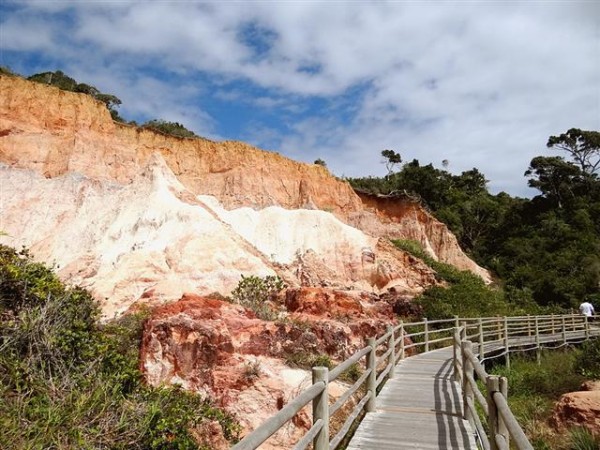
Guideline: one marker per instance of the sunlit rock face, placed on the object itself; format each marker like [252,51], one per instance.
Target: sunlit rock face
[580,408]
[140,218]
[56,133]
[225,352]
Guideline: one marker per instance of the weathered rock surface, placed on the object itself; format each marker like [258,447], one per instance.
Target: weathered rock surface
[153,240]
[578,409]
[55,133]
[222,350]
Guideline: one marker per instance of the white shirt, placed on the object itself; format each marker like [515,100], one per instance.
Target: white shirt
[586,309]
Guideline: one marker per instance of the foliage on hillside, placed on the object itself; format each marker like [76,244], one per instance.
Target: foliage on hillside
[548,247]
[465,294]
[171,128]
[66,381]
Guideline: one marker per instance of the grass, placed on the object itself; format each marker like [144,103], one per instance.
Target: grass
[533,391]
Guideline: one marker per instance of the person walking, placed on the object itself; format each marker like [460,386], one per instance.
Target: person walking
[587,309]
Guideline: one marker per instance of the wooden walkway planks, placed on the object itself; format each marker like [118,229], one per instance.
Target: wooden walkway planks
[420,408]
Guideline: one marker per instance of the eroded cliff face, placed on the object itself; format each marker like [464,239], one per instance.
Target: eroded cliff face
[55,133]
[141,218]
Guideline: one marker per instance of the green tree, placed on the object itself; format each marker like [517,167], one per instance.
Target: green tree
[554,177]
[582,146]
[391,159]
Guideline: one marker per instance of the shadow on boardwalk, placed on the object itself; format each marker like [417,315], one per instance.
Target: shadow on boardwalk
[420,408]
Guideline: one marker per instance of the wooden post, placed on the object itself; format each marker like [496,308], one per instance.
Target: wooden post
[552,326]
[392,345]
[426,334]
[372,378]
[506,346]
[463,332]
[457,356]
[587,327]
[466,386]
[493,385]
[564,330]
[401,340]
[502,429]
[498,327]
[572,319]
[528,325]
[321,408]
[538,350]
[481,350]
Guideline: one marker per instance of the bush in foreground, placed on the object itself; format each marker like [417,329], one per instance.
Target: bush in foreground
[67,381]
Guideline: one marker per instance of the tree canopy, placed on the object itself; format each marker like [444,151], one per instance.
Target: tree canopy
[546,248]
[582,146]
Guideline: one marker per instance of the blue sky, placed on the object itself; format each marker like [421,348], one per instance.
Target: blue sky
[480,84]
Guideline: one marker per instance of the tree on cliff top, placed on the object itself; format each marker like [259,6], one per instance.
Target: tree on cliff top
[583,146]
[66,83]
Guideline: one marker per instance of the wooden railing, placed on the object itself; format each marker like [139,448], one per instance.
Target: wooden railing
[491,336]
[498,337]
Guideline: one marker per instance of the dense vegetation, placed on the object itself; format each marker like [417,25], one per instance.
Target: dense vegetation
[67,381]
[533,389]
[546,248]
[465,294]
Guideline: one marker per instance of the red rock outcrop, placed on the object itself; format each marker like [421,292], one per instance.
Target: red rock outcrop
[222,350]
[578,409]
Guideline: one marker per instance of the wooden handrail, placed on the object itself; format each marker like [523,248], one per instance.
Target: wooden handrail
[490,336]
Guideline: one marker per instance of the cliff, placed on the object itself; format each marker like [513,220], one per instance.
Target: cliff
[142,218]
[54,133]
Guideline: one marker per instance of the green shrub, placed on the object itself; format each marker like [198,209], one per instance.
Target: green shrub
[170,128]
[307,360]
[253,292]
[588,361]
[67,381]
[466,294]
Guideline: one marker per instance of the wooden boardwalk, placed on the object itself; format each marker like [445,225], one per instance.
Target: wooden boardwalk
[419,408]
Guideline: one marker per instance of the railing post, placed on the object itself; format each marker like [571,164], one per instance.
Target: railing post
[467,389]
[401,340]
[498,327]
[321,408]
[552,326]
[572,319]
[564,330]
[493,385]
[426,334]
[456,323]
[502,429]
[392,345]
[506,346]
[481,351]
[372,379]
[463,331]
[538,350]
[528,325]
[457,354]
[587,327]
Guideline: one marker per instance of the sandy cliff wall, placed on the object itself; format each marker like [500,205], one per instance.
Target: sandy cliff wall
[54,132]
